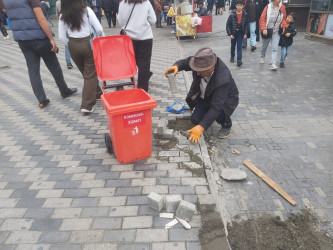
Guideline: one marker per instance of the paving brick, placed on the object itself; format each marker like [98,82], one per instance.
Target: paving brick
[118,183]
[151,235]
[180,234]
[54,236]
[16,224]
[156,201]
[146,210]
[3,236]
[169,245]
[131,175]
[99,192]
[157,189]
[153,174]
[206,202]
[6,193]
[76,224]
[135,246]
[107,175]
[107,223]
[21,193]
[112,201]
[67,184]
[92,184]
[123,211]
[57,202]
[119,168]
[185,210]
[57,193]
[143,182]
[46,224]
[128,191]
[137,222]
[168,181]
[137,200]
[23,237]
[75,193]
[181,189]
[194,181]
[100,246]
[119,236]
[90,236]
[62,213]
[38,213]
[172,203]
[84,202]
[30,203]
[95,212]
[18,185]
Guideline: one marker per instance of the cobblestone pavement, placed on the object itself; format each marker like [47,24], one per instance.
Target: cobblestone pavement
[283,125]
[60,189]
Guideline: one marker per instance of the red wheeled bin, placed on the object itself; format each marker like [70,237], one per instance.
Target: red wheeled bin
[128,111]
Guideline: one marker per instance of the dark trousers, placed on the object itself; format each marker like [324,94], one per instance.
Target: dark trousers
[237,40]
[33,51]
[82,55]
[111,15]
[143,50]
[201,110]
[2,27]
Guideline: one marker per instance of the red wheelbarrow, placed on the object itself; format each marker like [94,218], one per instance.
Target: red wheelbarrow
[128,110]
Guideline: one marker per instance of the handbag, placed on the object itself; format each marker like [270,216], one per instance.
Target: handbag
[123,31]
[270,30]
[93,32]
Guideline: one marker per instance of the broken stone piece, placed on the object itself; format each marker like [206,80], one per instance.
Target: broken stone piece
[184,223]
[171,224]
[185,210]
[233,174]
[155,201]
[166,215]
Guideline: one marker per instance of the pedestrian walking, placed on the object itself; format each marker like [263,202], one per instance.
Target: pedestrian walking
[67,54]
[138,28]
[46,8]
[96,6]
[213,93]
[158,12]
[237,25]
[272,17]
[36,41]
[110,8]
[2,24]
[220,7]
[77,20]
[286,37]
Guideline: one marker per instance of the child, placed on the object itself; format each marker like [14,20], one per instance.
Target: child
[286,39]
[237,29]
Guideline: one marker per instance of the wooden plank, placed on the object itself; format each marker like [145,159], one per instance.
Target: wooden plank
[270,182]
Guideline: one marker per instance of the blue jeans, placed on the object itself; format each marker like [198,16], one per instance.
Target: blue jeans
[275,45]
[67,55]
[108,17]
[33,51]
[284,53]
[253,36]
[237,40]
[201,110]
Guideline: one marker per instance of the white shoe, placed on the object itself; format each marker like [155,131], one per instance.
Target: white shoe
[87,110]
[262,60]
[273,67]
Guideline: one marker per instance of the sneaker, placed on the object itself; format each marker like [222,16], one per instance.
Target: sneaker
[253,48]
[281,65]
[224,133]
[262,60]
[244,46]
[273,67]
[232,59]
[44,103]
[69,66]
[87,110]
[69,92]
[239,63]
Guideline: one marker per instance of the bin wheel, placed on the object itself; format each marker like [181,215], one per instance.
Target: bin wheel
[108,143]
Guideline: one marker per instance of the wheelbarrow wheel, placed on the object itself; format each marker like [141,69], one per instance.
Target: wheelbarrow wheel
[108,143]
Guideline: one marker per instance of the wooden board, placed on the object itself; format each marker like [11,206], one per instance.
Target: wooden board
[270,182]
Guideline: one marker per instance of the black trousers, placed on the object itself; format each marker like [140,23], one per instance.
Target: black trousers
[143,50]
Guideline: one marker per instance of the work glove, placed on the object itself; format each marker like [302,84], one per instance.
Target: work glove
[171,69]
[195,133]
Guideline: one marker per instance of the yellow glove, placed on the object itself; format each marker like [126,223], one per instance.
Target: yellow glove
[195,133]
[171,69]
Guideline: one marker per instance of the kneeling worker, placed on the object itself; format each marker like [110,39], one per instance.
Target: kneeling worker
[213,94]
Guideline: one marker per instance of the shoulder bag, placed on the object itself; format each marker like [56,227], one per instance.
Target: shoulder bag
[123,31]
[93,33]
[270,31]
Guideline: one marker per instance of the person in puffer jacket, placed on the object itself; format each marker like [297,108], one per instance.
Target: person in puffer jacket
[286,37]
[237,26]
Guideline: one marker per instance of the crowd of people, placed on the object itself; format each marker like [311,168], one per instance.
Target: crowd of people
[213,95]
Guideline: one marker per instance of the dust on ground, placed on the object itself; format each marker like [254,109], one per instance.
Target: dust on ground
[267,232]
[211,233]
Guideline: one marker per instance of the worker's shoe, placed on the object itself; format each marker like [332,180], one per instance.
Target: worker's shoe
[224,133]
[253,48]
[232,59]
[281,65]
[239,63]
[87,110]
[69,66]
[69,92]
[44,103]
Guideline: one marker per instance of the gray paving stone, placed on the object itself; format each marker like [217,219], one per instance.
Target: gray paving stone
[181,189]
[180,234]
[53,170]
[137,200]
[168,181]
[22,193]
[46,224]
[84,202]
[75,193]
[3,237]
[38,213]
[145,167]
[107,175]
[65,247]
[135,246]
[107,223]
[193,246]
[67,184]
[120,235]
[30,203]
[157,173]
[118,183]
[60,177]
[54,236]
[95,212]
[98,169]
[128,191]
[18,185]
[146,210]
